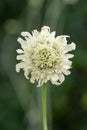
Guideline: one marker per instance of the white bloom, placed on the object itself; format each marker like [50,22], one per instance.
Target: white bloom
[44,57]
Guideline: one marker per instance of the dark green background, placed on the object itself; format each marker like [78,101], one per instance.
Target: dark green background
[20,101]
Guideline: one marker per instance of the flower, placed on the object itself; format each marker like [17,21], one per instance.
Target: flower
[44,57]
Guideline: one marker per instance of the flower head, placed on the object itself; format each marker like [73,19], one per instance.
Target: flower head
[44,57]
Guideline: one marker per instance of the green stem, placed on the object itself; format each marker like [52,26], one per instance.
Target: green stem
[44,88]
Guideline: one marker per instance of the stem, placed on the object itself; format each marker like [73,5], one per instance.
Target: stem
[44,88]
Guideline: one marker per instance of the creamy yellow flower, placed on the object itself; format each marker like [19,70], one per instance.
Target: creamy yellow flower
[44,57]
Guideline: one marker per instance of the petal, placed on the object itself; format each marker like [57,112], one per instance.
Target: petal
[61,77]
[26,34]
[73,45]
[67,64]
[26,73]
[53,34]
[39,83]
[62,39]
[45,28]
[20,51]
[20,57]
[70,47]
[35,33]
[19,66]
[45,31]
[66,72]
[69,55]
[63,36]
[21,41]
[55,83]
[54,77]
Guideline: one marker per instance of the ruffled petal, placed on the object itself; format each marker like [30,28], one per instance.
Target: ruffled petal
[70,47]
[20,51]
[66,72]
[26,34]
[61,77]
[19,66]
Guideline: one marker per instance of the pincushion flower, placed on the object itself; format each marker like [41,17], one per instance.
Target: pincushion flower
[44,57]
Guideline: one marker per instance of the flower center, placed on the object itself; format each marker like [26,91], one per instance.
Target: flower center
[45,56]
[44,59]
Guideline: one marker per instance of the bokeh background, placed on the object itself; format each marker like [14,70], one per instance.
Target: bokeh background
[20,101]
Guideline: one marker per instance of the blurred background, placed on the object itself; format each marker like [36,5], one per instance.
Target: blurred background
[20,101]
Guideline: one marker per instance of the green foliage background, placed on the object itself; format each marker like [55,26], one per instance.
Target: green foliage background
[20,101]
